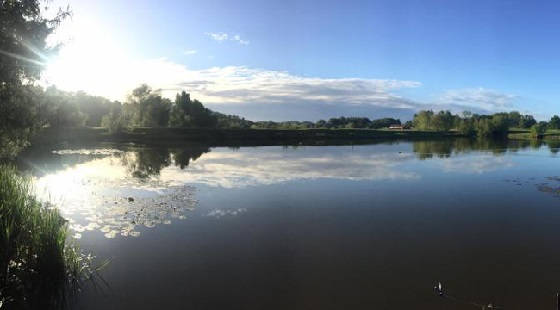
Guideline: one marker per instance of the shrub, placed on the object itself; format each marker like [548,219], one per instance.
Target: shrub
[538,130]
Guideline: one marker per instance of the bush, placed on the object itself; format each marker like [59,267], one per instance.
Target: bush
[538,130]
[114,122]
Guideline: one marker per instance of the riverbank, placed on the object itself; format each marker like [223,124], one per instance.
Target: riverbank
[40,266]
[230,137]
[524,134]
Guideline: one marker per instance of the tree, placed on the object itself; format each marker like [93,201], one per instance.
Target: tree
[526,121]
[443,121]
[514,118]
[423,120]
[92,107]
[538,129]
[466,126]
[23,48]
[60,110]
[148,108]
[320,123]
[554,122]
[495,125]
[115,121]
[384,122]
[190,113]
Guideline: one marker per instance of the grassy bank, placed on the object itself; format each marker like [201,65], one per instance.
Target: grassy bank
[525,134]
[39,266]
[231,137]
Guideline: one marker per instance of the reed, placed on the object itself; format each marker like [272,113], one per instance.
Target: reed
[40,265]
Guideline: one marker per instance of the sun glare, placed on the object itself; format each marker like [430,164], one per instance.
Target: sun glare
[91,61]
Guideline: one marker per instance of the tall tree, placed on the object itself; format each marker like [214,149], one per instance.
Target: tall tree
[423,120]
[554,122]
[190,113]
[23,53]
[148,108]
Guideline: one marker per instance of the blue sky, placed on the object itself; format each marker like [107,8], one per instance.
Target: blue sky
[300,60]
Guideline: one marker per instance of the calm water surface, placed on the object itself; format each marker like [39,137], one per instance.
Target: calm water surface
[325,227]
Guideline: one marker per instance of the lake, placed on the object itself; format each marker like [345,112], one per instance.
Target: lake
[312,227]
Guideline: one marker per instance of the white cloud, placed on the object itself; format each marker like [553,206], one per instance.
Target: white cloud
[230,85]
[190,52]
[222,36]
[238,84]
[478,98]
[247,167]
[238,39]
[479,164]
[218,36]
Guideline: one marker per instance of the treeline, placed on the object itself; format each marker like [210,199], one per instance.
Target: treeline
[145,107]
[334,123]
[470,124]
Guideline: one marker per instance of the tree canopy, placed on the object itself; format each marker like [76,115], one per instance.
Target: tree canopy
[23,51]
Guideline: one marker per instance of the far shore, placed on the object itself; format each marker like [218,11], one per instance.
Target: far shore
[251,137]
[231,137]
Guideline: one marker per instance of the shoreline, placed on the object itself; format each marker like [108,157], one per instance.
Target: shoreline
[230,137]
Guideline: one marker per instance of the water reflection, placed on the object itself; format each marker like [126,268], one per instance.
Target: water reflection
[445,148]
[119,188]
[219,213]
[144,163]
[115,192]
[249,167]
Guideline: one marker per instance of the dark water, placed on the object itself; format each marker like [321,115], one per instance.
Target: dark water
[326,227]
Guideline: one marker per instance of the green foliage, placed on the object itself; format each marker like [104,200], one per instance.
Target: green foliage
[231,121]
[514,118]
[115,121]
[93,107]
[470,124]
[19,116]
[427,120]
[147,108]
[443,121]
[526,121]
[466,127]
[554,122]
[59,110]
[23,48]
[332,123]
[187,113]
[496,125]
[37,264]
[384,123]
[423,120]
[538,130]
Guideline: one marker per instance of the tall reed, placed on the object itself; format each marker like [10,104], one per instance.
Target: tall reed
[40,266]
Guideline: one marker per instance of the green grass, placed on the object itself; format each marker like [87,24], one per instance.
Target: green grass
[40,267]
[524,134]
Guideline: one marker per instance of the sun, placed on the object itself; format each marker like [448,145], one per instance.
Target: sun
[90,60]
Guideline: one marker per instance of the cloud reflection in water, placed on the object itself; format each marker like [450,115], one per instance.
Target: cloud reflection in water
[94,194]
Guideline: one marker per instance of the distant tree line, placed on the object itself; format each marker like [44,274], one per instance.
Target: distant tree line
[470,124]
[145,107]
[332,123]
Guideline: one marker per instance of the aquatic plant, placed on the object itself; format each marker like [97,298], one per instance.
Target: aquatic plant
[40,267]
